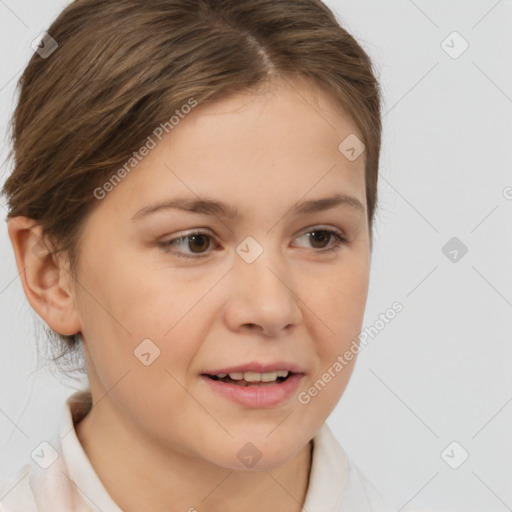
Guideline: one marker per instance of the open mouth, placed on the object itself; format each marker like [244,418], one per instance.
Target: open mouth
[253,389]
[252,379]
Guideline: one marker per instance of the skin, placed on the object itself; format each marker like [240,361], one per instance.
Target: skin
[260,153]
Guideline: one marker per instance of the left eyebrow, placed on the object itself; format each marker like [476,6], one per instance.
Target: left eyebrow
[207,206]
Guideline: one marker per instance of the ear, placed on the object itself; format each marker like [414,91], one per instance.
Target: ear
[46,280]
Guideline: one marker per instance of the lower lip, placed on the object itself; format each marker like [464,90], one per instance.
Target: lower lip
[257,396]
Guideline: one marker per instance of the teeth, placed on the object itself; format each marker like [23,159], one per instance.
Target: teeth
[254,376]
[267,377]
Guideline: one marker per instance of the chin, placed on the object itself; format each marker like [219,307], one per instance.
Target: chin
[262,455]
[264,464]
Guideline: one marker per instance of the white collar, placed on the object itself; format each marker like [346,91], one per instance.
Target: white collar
[72,484]
[79,467]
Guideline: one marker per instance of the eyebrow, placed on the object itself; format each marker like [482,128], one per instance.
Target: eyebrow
[209,206]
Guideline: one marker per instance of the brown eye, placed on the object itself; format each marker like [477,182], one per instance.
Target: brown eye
[320,238]
[199,242]
[189,246]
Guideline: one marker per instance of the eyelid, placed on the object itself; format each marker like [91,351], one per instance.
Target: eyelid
[322,227]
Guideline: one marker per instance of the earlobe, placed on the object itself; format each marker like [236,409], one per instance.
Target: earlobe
[45,278]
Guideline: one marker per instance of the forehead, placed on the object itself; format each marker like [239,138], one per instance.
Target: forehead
[279,142]
[299,107]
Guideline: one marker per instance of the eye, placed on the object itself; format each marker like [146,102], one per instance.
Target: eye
[199,242]
[319,237]
[196,241]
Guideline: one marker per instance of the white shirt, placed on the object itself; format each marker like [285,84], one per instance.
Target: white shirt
[70,484]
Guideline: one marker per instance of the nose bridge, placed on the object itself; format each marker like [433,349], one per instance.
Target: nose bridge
[261,262]
[264,288]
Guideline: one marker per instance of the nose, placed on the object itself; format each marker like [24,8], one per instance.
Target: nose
[262,297]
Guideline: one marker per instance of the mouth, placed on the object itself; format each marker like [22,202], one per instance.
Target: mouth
[255,385]
[251,379]
[255,374]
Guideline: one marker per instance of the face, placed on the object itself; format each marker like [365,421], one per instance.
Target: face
[270,288]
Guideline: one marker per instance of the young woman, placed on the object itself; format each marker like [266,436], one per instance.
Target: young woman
[191,206]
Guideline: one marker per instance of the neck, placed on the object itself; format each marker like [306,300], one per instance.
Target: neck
[146,477]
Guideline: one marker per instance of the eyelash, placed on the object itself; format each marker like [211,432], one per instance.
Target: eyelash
[340,241]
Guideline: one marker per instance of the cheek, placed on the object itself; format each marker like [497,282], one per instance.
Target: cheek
[335,319]
[337,300]
[140,310]
[136,298]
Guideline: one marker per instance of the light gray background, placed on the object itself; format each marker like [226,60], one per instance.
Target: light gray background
[440,371]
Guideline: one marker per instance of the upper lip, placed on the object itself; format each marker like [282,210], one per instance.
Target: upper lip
[257,367]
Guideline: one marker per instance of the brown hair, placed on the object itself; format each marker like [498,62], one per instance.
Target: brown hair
[124,67]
